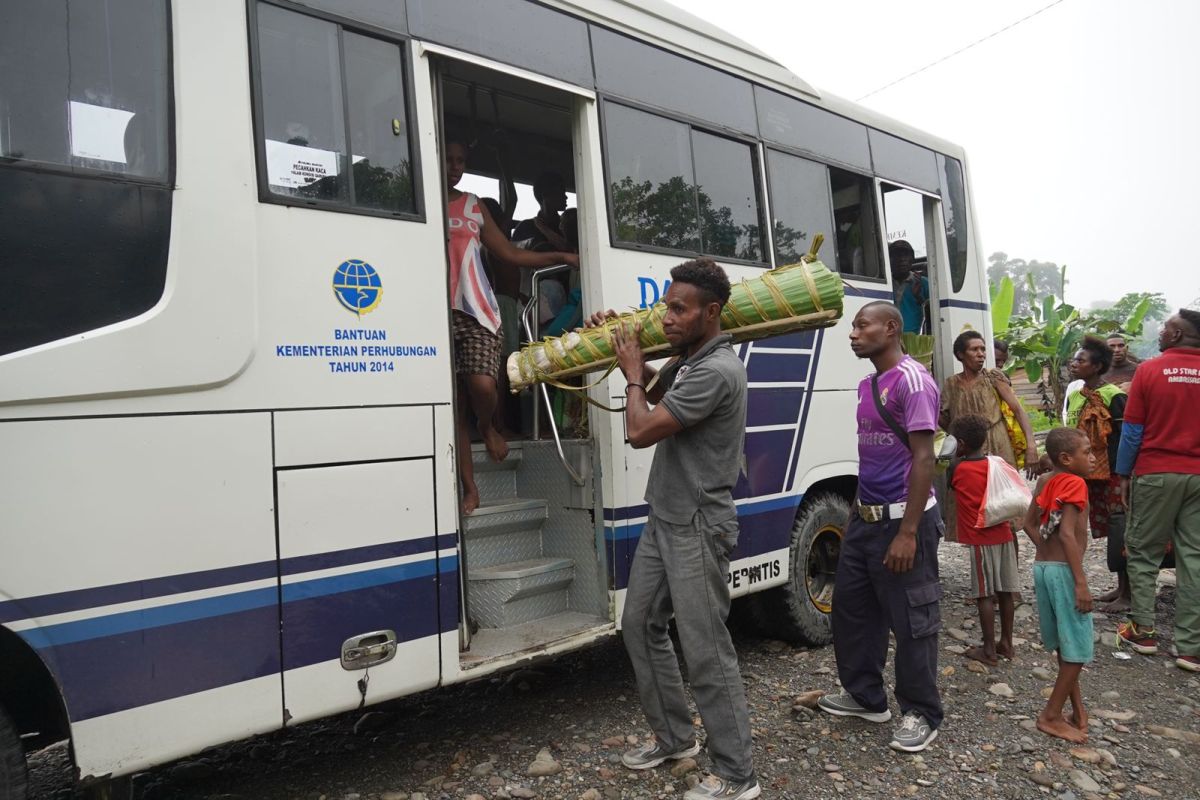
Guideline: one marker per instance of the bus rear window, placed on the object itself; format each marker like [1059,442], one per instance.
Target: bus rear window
[83,86]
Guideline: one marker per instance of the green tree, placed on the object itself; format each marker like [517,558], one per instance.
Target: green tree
[1043,274]
[1158,310]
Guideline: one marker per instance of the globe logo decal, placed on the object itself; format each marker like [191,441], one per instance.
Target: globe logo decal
[357,286]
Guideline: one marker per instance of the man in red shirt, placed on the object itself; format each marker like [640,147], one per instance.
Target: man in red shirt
[1160,449]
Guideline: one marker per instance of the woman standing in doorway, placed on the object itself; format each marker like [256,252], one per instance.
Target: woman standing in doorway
[476,315]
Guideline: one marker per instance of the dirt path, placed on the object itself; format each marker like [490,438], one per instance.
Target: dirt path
[481,740]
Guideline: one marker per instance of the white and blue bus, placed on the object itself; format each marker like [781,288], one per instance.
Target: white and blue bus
[227,462]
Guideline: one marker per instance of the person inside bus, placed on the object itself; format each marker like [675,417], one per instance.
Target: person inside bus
[550,191]
[910,288]
[475,314]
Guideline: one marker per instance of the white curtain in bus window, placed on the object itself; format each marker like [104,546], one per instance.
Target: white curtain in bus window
[378,129]
[801,208]
[727,196]
[650,177]
[303,119]
[83,85]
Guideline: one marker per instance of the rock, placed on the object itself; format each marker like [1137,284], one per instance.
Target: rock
[373,721]
[474,797]
[614,741]
[191,771]
[1001,689]
[832,768]
[1173,753]
[1146,791]
[1084,781]
[1166,733]
[947,672]
[1060,761]
[959,634]
[1109,639]
[606,774]
[977,667]
[1047,691]
[956,649]
[1042,674]
[591,794]
[1116,716]
[484,769]
[521,791]
[683,766]
[1087,754]
[809,699]
[543,764]
[1110,696]
[1041,779]
[1023,611]
[836,776]
[394,796]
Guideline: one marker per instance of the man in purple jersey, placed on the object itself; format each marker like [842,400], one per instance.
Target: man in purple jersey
[887,574]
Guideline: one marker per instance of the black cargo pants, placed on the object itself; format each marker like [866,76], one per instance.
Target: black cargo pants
[869,600]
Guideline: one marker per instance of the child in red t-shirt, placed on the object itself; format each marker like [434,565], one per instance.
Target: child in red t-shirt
[1057,523]
[993,557]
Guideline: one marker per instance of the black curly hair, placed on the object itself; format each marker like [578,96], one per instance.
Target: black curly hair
[960,342]
[1192,318]
[1098,351]
[707,276]
[970,430]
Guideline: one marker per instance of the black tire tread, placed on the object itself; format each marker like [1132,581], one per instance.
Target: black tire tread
[14,778]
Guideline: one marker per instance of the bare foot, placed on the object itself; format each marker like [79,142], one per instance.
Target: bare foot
[1108,597]
[980,654]
[470,500]
[496,446]
[1120,605]
[1005,650]
[1079,718]
[1061,728]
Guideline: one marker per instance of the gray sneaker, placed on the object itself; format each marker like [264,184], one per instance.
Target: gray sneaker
[714,786]
[651,754]
[843,705]
[913,735]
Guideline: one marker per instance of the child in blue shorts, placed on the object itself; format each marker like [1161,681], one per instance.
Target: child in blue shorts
[1056,522]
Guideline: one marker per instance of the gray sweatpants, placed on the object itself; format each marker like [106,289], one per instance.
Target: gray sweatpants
[689,563]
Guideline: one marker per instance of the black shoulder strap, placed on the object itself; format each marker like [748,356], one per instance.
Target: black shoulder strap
[885,414]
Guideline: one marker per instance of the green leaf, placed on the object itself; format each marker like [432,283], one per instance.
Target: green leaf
[1049,316]
[1133,323]
[1034,369]
[1002,305]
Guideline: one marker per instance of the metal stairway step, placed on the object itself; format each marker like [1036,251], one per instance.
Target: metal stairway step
[503,531]
[496,480]
[519,591]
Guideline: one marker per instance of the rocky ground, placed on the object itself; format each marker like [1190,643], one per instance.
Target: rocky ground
[557,731]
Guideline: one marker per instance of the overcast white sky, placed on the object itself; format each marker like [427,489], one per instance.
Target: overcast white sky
[1081,125]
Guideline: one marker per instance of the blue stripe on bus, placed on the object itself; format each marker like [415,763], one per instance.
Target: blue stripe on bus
[853,291]
[94,597]
[948,302]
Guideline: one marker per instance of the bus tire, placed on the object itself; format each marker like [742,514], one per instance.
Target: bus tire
[13,775]
[799,610]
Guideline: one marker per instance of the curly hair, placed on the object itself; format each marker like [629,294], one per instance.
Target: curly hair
[971,431]
[1098,352]
[706,275]
[1191,318]
[960,342]
[1063,440]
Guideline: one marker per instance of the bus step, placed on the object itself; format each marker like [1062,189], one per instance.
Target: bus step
[497,481]
[504,531]
[520,591]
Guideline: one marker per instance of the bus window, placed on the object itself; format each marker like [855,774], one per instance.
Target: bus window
[854,217]
[727,195]
[304,63]
[954,208]
[83,86]
[801,209]
[650,175]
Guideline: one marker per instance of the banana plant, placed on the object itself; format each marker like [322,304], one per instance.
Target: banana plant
[1043,342]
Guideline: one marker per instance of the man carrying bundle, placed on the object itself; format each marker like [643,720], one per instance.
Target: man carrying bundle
[698,422]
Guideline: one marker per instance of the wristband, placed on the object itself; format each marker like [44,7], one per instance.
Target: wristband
[629,386]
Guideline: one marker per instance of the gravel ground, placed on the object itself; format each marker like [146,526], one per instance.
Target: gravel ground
[557,731]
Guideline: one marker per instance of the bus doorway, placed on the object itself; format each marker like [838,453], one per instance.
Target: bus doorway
[533,569]
[915,252]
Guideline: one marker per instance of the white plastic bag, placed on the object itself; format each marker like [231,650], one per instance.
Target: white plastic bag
[1007,495]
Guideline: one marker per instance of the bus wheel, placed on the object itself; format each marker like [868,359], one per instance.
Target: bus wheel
[13,778]
[800,609]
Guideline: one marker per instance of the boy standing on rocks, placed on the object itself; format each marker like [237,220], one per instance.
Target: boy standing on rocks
[993,557]
[1056,522]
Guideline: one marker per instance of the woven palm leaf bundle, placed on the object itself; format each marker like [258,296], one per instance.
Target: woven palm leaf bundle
[796,297]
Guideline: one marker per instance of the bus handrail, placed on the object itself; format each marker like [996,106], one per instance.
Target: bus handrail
[527,319]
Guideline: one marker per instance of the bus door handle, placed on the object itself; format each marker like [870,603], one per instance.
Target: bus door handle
[368,650]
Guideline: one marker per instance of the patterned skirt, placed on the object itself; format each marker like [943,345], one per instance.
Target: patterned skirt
[1104,500]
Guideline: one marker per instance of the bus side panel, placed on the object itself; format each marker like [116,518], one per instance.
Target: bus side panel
[152,593]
